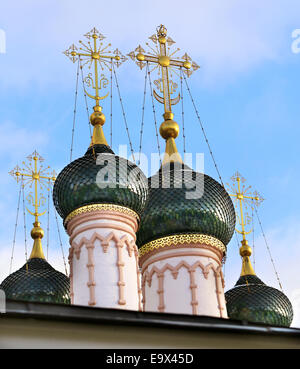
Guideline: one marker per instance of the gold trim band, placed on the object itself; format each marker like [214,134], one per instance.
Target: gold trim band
[182,239]
[99,207]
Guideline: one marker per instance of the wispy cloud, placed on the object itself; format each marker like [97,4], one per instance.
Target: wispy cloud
[226,38]
[16,140]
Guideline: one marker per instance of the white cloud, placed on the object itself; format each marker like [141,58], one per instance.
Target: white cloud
[225,38]
[18,141]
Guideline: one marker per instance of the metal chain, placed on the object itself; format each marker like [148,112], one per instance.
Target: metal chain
[111,103]
[24,219]
[210,151]
[237,239]
[87,110]
[253,238]
[59,236]
[123,112]
[268,248]
[208,145]
[15,231]
[48,221]
[75,107]
[182,112]
[202,128]
[154,113]
[143,114]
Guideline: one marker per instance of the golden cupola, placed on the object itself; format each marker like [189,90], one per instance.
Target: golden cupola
[251,299]
[37,280]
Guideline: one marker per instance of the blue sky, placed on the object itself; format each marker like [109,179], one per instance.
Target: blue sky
[247,93]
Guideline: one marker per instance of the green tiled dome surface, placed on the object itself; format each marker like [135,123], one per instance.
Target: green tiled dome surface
[169,212]
[258,303]
[37,282]
[76,185]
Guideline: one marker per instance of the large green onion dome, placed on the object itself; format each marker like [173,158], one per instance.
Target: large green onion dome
[250,299]
[38,281]
[177,206]
[100,177]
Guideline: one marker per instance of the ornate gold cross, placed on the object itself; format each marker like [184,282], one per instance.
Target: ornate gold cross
[244,196]
[93,52]
[33,173]
[97,55]
[161,57]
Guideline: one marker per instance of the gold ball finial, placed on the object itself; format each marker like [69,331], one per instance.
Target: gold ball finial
[97,117]
[95,56]
[164,61]
[169,128]
[140,57]
[245,249]
[37,231]
[187,65]
[162,39]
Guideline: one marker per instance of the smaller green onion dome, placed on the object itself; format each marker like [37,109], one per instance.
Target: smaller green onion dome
[37,281]
[78,184]
[172,210]
[250,299]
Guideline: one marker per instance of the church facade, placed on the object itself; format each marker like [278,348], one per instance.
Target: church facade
[144,244]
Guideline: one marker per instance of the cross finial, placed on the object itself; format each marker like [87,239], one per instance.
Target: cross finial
[94,53]
[244,198]
[161,58]
[34,174]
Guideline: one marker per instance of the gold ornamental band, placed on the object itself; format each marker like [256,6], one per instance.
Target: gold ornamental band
[182,239]
[97,207]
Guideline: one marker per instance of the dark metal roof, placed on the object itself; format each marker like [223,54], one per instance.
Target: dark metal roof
[256,302]
[100,316]
[37,280]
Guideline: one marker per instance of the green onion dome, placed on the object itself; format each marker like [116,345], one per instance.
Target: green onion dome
[100,177]
[250,299]
[37,281]
[177,206]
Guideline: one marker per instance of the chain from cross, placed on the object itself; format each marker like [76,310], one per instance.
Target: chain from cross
[91,53]
[30,174]
[161,57]
[243,196]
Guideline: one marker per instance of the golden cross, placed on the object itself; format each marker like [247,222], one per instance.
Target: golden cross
[33,174]
[93,52]
[244,196]
[161,57]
